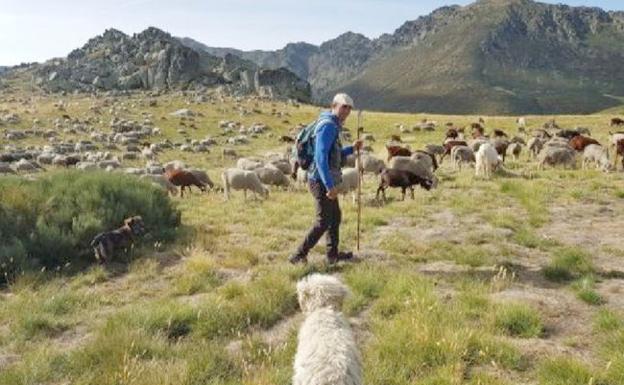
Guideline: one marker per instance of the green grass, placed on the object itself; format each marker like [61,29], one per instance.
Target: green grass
[564,371]
[568,263]
[203,308]
[518,320]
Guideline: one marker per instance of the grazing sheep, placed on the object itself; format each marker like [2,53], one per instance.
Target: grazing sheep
[514,149]
[451,133]
[349,183]
[448,146]
[403,179]
[474,144]
[326,350]
[568,134]
[419,168]
[614,138]
[162,182]
[184,179]
[229,152]
[554,155]
[283,165]
[271,175]
[369,163]
[5,168]
[579,142]
[394,150]
[501,147]
[426,157]
[248,164]
[202,176]
[616,122]
[434,149]
[521,122]
[487,160]
[619,151]
[174,165]
[557,142]
[499,134]
[462,154]
[597,154]
[237,179]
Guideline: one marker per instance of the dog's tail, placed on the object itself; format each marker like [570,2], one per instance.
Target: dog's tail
[96,239]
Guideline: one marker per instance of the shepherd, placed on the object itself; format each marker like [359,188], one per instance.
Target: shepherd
[324,175]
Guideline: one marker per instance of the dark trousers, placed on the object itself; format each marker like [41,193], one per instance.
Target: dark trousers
[328,218]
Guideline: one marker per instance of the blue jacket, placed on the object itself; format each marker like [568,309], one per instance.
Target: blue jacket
[326,138]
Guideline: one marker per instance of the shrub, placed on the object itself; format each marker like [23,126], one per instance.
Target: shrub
[51,221]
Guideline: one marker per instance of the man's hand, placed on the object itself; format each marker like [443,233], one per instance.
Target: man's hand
[332,193]
[358,145]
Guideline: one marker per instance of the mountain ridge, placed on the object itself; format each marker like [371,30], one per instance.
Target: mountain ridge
[490,56]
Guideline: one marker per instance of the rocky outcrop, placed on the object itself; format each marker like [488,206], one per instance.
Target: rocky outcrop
[153,59]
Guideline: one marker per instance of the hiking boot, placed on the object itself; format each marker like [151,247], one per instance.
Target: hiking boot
[295,259]
[342,256]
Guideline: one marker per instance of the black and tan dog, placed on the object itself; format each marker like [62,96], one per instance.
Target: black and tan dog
[105,243]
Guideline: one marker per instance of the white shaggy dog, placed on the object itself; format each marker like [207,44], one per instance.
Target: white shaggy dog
[326,354]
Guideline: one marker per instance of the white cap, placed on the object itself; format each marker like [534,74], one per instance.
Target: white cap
[343,99]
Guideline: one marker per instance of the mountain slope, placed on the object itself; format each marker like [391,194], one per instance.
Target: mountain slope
[492,56]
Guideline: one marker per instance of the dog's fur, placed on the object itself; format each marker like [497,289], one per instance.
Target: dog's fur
[104,244]
[326,353]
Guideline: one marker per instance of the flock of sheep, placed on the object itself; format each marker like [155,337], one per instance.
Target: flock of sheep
[403,168]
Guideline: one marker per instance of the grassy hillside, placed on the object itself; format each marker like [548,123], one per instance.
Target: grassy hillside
[501,57]
[513,280]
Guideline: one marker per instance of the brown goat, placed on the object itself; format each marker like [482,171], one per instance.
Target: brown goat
[616,122]
[619,151]
[579,142]
[397,151]
[184,179]
[451,133]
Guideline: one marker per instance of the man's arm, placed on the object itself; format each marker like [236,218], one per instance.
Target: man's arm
[325,137]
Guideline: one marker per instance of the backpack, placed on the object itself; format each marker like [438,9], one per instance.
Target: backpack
[303,151]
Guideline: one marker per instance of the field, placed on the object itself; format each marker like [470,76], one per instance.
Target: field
[513,280]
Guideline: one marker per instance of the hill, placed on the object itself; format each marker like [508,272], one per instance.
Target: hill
[489,57]
[153,59]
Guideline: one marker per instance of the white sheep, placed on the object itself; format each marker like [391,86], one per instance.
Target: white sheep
[271,175]
[597,154]
[349,183]
[237,179]
[487,160]
[554,155]
[370,164]
[248,164]
[420,167]
[326,350]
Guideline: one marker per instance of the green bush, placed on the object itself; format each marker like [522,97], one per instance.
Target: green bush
[51,221]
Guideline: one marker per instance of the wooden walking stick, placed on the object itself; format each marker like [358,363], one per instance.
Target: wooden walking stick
[359,185]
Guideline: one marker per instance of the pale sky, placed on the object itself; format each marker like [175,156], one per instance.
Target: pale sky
[37,30]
